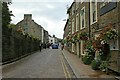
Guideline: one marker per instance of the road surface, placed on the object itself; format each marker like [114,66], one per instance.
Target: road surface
[49,63]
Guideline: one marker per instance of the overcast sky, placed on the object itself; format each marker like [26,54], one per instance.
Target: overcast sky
[49,14]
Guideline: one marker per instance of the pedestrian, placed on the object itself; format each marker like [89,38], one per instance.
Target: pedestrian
[45,45]
[40,46]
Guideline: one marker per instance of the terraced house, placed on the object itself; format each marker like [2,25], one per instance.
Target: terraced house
[92,29]
[29,26]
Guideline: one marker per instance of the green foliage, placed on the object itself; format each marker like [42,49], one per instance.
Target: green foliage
[89,53]
[65,40]
[6,14]
[111,34]
[90,50]
[104,65]
[95,64]
[83,36]
[12,25]
[104,52]
[102,55]
[87,59]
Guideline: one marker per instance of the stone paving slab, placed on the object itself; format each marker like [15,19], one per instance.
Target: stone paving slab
[81,70]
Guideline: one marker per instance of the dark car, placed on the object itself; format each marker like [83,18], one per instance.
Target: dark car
[54,46]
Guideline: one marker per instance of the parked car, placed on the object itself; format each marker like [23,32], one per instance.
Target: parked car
[54,46]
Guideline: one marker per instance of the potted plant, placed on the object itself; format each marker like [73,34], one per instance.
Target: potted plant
[95,64]
[89,54]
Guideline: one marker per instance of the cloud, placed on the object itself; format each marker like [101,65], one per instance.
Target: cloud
[47,14]
[43,0]
[50,6]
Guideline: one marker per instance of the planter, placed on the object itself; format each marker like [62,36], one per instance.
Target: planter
[95,64]
[87,59]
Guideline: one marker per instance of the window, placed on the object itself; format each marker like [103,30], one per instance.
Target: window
[93,11]
[25,28]
[72,26]
[105,2]
[82,18]
[107,6]
[77,23]
[114,45]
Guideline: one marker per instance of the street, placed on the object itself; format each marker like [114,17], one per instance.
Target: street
[49,63]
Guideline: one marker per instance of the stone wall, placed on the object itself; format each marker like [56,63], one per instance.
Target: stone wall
[0,31]
[111,17]
[15,44]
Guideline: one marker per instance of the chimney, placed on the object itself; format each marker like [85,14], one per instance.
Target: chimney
[27,17]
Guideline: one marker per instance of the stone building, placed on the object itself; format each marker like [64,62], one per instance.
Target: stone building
[46,37]
[78,21]
[67,33]
[108,13]
[30,27]
[92,18]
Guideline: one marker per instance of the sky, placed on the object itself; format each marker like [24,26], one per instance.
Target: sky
[50,14]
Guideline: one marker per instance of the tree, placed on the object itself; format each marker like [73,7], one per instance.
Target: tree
[6,14]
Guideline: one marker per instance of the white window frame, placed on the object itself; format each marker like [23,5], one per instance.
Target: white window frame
[116,45]
[81,48]
[91,12]
[77,22]
[82,1]
[73,26]
[81,18]
[72,47]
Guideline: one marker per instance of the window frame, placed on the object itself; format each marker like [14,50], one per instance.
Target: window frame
[73,25]
[77,22]
[91,12]
[116,45]
[81,16]
[82,1]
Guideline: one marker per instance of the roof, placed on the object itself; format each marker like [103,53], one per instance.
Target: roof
[66,24]
[70,8]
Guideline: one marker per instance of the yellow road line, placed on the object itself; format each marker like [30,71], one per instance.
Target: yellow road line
[69,76]
[65,69]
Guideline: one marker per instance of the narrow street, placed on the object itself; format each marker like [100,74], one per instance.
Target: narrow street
[66,39]
[49,63]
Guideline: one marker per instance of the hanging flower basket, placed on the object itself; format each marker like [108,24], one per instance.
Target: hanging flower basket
[105,36]
[75,37]
[96,44]
[69,39]
[111,34]
[83,36]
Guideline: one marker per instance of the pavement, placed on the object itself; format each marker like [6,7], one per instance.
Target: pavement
[84,71]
